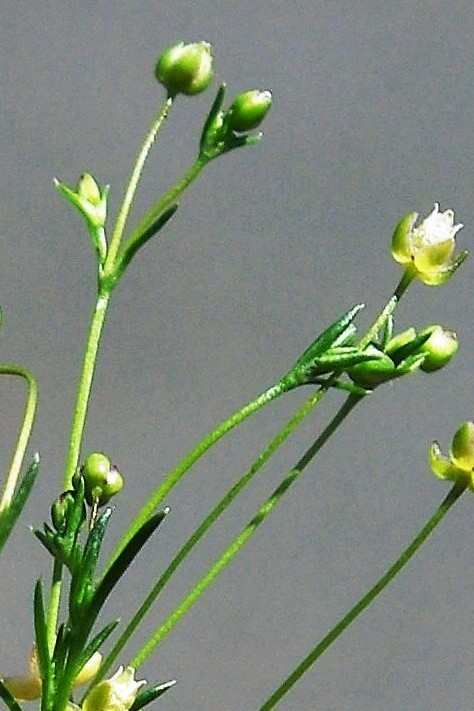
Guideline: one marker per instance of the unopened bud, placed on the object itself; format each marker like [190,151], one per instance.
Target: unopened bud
[439,348]
[102,479]
[185,68]
[248,110]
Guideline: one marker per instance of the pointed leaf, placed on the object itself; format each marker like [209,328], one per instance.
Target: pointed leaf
[120,565]
[330,335]
[82,584]
[131,247]
[96,642]
[146,697]
[41,632]
[212,116]
[10,516]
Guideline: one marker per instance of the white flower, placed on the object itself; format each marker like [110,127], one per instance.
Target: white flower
[429,248]
[115,694]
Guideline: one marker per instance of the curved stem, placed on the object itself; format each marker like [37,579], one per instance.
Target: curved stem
[216,512]
[133,183]
[24,434]
[84,389]
[191,458]
[365,601]
[185,605]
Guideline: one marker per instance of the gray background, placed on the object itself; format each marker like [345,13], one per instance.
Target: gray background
[372,118]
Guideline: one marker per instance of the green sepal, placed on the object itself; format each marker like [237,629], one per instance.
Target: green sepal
[82,583]
[10,516]
[399,351]
[120,565]
[9,700]
[336,334]
[148,695]
[41,633]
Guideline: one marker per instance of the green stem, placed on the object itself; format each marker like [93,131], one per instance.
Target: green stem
[85,385]
[223,504]
[24,434]
[133,183]
[192,457]
[185,605]
[388,310]
[366,600]
[147,221]
[54,604]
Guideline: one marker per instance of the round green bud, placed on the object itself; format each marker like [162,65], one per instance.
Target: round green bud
[185,68]
[439,348]
[102,479]
[248,110]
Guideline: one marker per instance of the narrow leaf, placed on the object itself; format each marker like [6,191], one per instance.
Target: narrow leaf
[211,117]
[120,565]
[131,248]
[96,642]
[146,697]
[82,584]
[41,632]
[330,335]
[10,516]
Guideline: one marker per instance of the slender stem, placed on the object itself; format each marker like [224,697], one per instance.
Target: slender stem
[216,512]
[185,605]
[84,389]
[387,311]
[54,604]
[191,458]
[365,601]
[134,181]
[153,214]
[24,434]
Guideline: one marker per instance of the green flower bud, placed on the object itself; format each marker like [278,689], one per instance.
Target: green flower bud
[248,110]
[429,248]
[115,694]
[60,510]
[185,68]
[102,479]
[439,348]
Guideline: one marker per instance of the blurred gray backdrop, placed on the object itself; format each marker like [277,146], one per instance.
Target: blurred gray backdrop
[372,118]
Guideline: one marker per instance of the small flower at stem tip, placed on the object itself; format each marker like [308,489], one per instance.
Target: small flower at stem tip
[115,694]
[459,465]
[185,68]
[428,249]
